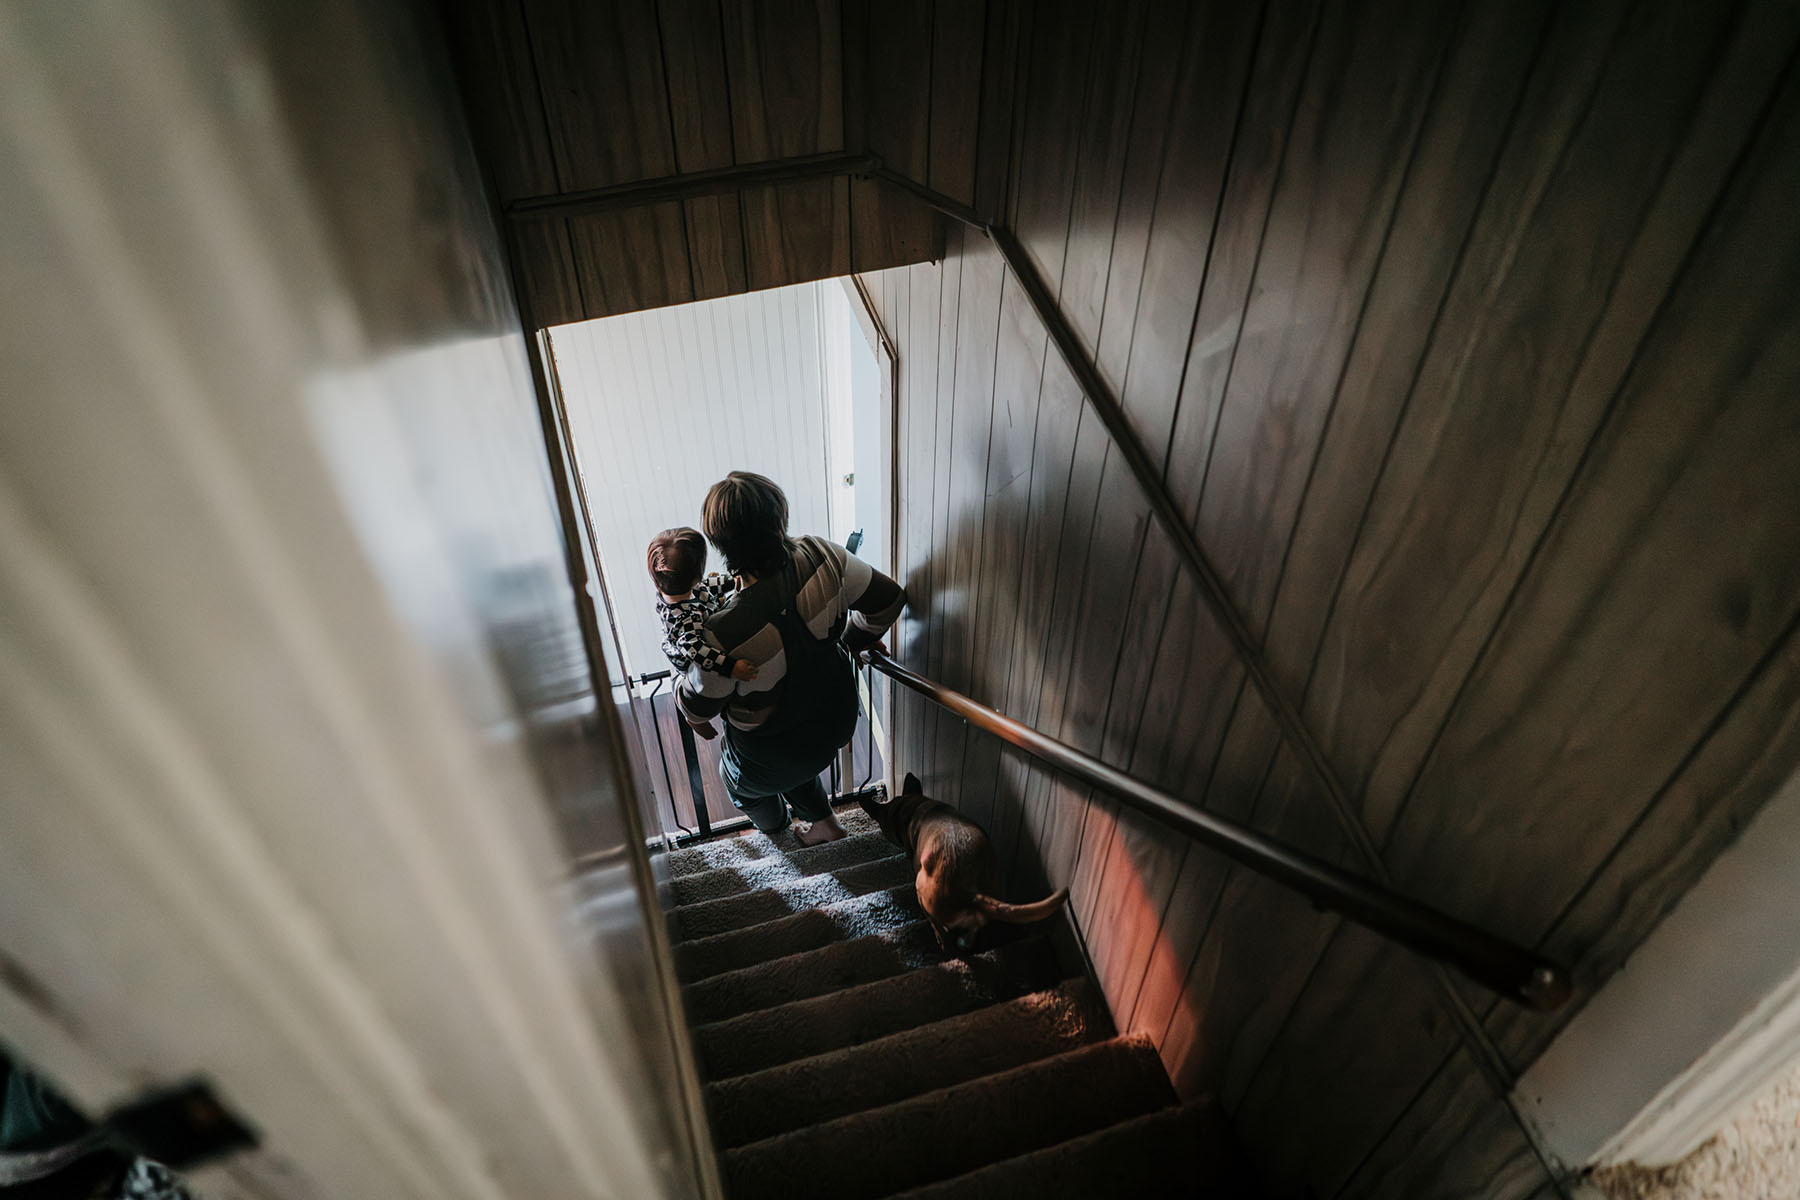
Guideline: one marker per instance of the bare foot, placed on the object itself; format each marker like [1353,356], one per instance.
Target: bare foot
[815,833]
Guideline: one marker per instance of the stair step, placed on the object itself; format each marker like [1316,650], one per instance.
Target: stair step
[752,846]
[876,912]
[957,1129]
[1174,1153]
[710,883]
[780,1099]
[812,973]
[772,1036]
[709,917]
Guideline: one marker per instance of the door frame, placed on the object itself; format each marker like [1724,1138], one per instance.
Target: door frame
[887,361]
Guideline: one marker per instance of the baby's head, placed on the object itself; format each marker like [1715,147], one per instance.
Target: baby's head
[677,560]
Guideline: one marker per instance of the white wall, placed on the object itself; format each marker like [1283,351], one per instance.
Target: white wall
[664,403]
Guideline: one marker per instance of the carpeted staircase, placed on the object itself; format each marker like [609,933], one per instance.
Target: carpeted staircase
[847,1058]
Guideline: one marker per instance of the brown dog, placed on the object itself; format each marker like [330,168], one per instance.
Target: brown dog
[956,867]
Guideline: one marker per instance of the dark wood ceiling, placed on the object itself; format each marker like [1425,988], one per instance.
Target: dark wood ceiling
[570,97]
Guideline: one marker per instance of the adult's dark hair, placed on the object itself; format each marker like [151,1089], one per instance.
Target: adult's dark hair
[677,559]
[746,517]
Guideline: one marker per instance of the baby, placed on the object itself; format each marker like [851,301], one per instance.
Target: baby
[686,596]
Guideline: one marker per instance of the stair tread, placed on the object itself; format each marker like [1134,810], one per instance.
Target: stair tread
[957,1129]
[871,913]
[817,1025]
[812,972]
[707,918]
[989,1040]
[752,845]
[1173,1152]
[751,873]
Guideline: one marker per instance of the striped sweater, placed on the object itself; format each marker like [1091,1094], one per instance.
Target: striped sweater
[838,595]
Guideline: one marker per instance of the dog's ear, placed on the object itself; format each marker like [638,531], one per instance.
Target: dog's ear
[910,786]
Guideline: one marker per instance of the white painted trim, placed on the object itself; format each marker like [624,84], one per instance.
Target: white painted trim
[1704,1015]
[888,365]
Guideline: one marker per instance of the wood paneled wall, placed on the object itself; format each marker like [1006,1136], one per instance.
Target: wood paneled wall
[1469,337]
[568,96]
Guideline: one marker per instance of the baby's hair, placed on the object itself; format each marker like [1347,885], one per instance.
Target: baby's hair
[677,560]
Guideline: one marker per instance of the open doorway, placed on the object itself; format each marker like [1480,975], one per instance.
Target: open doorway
[790,383]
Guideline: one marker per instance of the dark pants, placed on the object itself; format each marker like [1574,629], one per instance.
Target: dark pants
[776,767]
[766,777]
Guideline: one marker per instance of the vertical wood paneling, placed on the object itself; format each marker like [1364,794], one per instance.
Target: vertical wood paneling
[1050,820]
[943,595]
[1053,480]
[1054,79]
[1741,762]
[963,551]
[796,231]
[608,116]
[784,68]
[544,260]
[1183,705]
[1092,518]
[506,111]
[1409,297]
[692,43]
[505,106]
[1348,150]
[1630,599]
[1477,104]
[1372,79]
[783,59]
[715,243]
[1288,34]
[1260,945]
[1366,1032]
[1445,181]
[605,99]
[919,379]
[570,96]
[913,516]
[632,259]
[899,86]
[1552,238]
[888,227]
[956,62]
[693,54]
[1286,1098]
[1119,918]
[998,103]
[1202,124]
[1453,1143]
[1018,376]
[1102,583]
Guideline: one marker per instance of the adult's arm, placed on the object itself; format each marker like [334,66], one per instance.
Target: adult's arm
[875,603]
[701,693]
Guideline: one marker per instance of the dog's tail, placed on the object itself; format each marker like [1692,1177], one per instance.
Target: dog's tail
[1022,914]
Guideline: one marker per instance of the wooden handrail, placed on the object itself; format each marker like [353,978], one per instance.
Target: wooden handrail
[1508,969]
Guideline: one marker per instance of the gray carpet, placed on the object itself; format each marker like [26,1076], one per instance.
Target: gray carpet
[847,1058]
